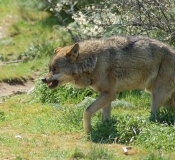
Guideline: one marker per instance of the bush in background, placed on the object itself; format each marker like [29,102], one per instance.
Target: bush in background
[105,18]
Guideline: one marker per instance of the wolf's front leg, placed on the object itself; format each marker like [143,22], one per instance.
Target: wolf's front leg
[106,112]
[103,100]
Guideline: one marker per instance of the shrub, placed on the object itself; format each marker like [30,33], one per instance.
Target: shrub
[105,18]
[61,95]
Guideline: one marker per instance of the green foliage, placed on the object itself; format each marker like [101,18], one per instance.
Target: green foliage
[38,50]
[157,136]
[61,95]
[128,127]
[123,129]
[2,116]
[135,129]
[166,116]
[104,132]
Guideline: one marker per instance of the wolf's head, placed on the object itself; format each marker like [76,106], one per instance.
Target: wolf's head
[61,66]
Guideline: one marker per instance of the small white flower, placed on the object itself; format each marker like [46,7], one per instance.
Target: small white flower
[85,31]
[95,27]
[93,7]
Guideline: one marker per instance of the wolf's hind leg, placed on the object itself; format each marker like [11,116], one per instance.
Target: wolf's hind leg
[159,96]
[103,100]
[171,102]
[106,112]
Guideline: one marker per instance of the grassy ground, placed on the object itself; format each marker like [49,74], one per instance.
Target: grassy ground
[30,130]
[29,34]
[48,124]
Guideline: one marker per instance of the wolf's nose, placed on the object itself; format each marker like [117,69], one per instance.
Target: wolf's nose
[43,80]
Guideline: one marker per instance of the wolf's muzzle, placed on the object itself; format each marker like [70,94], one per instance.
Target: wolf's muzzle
[44,80]
[50,83]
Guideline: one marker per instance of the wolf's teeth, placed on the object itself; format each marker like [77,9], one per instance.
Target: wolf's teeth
[49,84]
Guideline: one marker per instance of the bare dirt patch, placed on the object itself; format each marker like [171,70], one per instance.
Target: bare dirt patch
[7,89]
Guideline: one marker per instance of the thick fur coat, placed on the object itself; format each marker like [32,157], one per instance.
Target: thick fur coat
[114,65]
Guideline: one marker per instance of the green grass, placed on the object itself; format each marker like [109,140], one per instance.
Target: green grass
[29,27]
[30,34]
[56,131]
[19,73]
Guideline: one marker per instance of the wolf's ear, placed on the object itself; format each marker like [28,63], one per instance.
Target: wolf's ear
[57,49]
[73,52]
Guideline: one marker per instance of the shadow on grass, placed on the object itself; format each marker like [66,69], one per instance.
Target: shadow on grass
[104,132]
[125,129]
[165,116]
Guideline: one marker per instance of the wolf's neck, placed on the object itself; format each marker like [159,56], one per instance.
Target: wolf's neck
[85,64]
[83,80]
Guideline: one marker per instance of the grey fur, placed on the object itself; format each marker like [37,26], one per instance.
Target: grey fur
[114,65]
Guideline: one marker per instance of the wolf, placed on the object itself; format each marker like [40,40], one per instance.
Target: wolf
[112,65]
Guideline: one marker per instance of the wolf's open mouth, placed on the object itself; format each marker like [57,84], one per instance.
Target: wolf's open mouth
[52,84]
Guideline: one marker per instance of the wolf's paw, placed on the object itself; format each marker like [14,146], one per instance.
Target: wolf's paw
[155,117]
[88,129]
